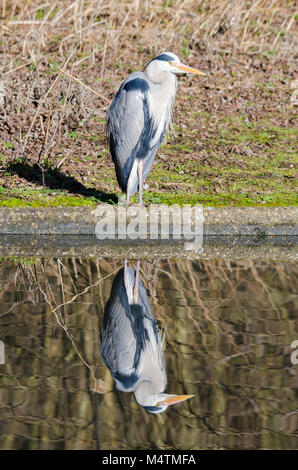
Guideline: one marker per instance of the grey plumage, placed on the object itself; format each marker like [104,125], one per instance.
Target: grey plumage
[132,131]
[139,117]
[131,345]
[128,329]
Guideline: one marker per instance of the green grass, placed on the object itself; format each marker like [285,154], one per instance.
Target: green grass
[42,198]
[261,173]
[23,261]
[226,199]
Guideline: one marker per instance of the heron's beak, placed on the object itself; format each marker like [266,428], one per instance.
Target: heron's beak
[185,68]
[173,399]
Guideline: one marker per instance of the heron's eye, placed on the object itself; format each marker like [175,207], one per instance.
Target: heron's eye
[170,62]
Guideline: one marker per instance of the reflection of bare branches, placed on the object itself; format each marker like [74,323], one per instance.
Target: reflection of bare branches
[150,273]
[200,302]
[220,347]
[16,304]
[84,291]
[59,318]
[232,356]
[28,277]
[98,385]
[48,288]
[266,288]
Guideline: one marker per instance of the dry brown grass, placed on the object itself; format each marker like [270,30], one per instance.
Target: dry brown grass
[110,29]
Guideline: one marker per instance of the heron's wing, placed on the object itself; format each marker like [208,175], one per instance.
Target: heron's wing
[154,342]
[118,342]
[130,336]
[128,120]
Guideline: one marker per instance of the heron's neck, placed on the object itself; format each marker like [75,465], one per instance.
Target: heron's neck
[161,78]
[163,95]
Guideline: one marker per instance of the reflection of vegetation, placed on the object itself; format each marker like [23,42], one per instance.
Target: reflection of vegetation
[229,329]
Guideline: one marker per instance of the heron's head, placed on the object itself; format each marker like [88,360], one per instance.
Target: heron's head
[165,63]
[161,402]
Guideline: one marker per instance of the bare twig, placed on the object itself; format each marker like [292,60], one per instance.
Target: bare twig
[83,84]
[18,68]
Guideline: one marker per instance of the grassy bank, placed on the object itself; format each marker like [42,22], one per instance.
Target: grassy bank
[234,140]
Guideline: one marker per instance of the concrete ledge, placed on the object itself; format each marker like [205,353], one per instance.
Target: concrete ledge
[214,247]
[229,221]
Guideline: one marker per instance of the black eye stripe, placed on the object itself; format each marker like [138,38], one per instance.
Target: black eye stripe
[165,57]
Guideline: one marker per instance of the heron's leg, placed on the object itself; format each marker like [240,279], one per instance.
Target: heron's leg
[131,179]
[129,286]
[125,272]
[140,174]
[136,286]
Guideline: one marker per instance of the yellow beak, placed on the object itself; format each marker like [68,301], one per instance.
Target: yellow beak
[172,400]
[185,68]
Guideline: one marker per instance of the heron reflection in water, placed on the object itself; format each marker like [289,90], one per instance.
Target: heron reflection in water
[131,345]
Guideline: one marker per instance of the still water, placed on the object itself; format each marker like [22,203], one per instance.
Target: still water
[223,328]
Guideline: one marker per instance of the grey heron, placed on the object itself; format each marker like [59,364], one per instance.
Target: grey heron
[138,119]
[131,345]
